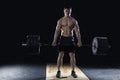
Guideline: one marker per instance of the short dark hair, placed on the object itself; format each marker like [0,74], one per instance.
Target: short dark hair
[67,7]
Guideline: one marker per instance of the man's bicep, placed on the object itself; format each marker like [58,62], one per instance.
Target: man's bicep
[76,27]
[77,30]
[58,27]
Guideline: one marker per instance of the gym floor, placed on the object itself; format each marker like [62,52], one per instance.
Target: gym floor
[34,68]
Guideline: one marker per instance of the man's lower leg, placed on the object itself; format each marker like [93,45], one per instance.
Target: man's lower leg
[59,64]
[73,65]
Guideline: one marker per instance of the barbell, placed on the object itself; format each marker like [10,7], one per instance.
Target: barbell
[99,45]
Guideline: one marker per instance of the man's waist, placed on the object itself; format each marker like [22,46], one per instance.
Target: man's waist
[64,36]
[67,37]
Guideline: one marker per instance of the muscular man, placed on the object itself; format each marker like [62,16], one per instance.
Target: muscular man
[66,26]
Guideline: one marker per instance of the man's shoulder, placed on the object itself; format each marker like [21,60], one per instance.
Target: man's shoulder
[73,18]
[60,19]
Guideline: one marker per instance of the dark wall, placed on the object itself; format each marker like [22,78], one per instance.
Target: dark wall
[95,18]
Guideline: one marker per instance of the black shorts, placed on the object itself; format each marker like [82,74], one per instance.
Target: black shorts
[67,44]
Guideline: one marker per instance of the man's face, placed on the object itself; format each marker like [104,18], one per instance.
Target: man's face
[67,11]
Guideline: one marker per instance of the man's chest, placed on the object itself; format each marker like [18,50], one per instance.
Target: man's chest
[67,22]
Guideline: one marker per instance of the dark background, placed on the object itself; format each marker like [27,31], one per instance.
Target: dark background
[21,18]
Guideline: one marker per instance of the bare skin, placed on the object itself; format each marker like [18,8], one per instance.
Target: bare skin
[67,25]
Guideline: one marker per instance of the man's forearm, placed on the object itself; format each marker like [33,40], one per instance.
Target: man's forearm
[78,36]
[57,32]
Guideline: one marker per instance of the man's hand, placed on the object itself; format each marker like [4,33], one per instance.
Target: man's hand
[54,43]
[79,44]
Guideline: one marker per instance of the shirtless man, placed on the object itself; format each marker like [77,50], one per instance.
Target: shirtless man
[66,26]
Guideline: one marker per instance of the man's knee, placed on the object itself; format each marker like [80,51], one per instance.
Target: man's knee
[72,55]
[61,54]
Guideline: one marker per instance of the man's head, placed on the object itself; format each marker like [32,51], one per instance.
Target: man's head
[67,11]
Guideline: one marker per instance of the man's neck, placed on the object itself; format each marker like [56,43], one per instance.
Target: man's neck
[67,15]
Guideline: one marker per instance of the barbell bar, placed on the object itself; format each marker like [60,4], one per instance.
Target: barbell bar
[99,45]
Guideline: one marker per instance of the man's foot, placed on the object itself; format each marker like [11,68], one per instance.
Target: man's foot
[73,74]
[58,74]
